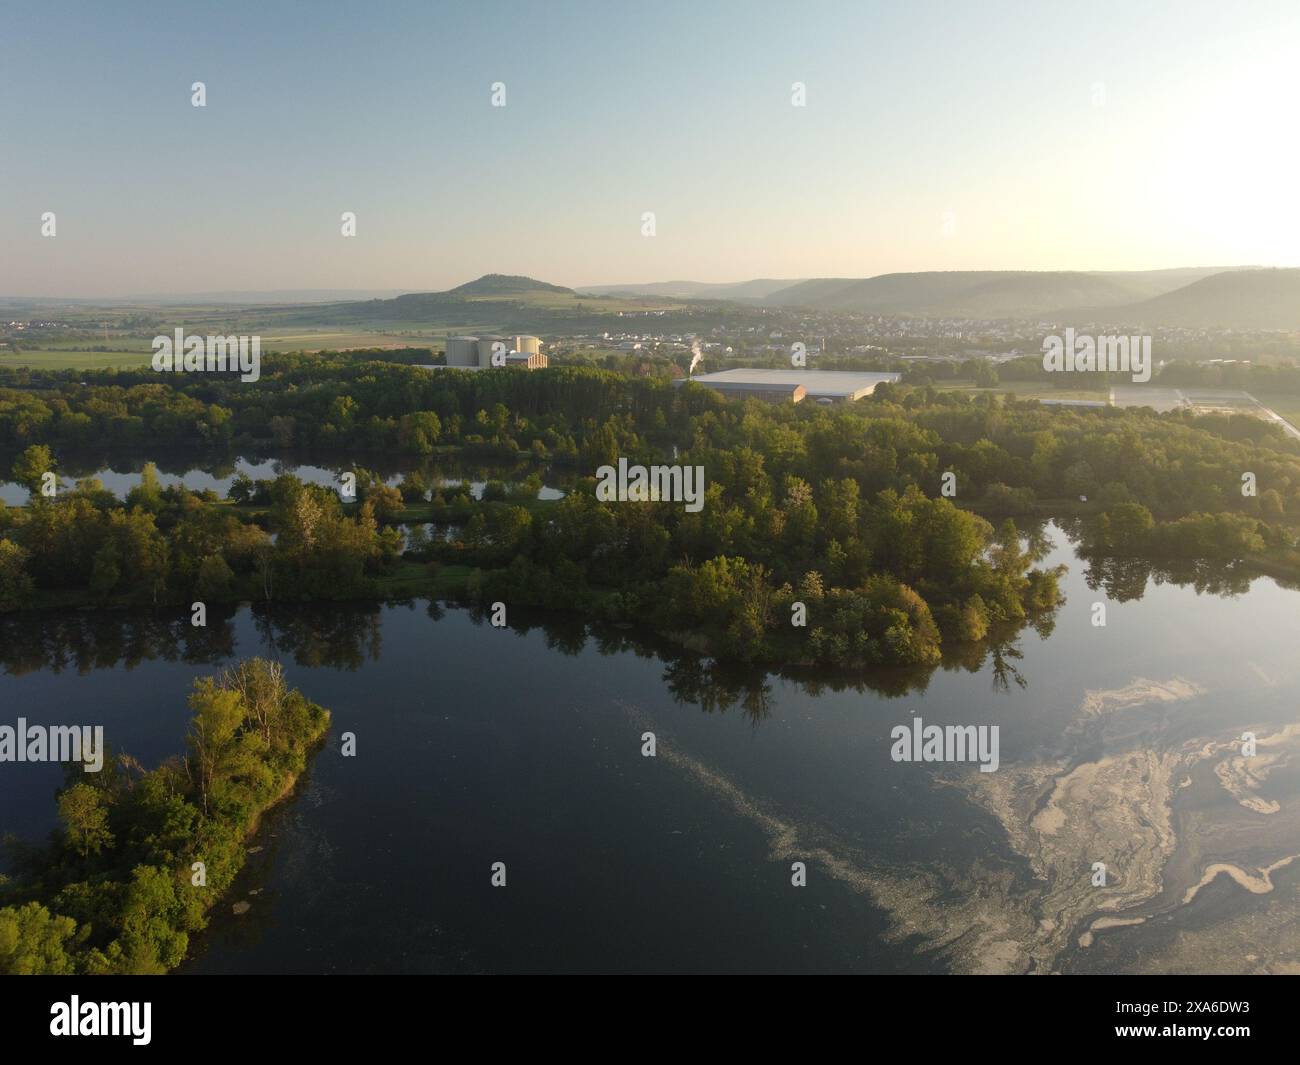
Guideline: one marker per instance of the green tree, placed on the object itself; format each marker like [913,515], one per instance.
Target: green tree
[148,493]
[216,578]
[84,812]
[16,583]
[32,465]
[241,488]
[218,713]
[34,942]
[107,571]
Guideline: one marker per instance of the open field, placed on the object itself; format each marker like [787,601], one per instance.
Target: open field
[1287,406]
[345,339]
[1201,400]
[76,355]
[1288,423]
[75,359]
[1025,390]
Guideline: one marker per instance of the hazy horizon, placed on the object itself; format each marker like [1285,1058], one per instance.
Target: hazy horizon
[1109,140]
[325,293]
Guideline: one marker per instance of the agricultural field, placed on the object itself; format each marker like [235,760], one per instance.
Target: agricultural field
[73,358]
[327,339]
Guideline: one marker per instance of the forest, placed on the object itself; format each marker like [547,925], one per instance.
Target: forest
[830,516]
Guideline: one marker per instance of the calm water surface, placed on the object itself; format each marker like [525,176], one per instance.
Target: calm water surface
[119,476]
[477,745]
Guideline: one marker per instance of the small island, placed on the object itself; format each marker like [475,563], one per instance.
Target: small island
[141,857]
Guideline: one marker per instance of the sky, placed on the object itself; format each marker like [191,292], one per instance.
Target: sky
[932,136]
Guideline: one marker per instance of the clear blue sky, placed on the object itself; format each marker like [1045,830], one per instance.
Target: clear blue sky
[1055,135]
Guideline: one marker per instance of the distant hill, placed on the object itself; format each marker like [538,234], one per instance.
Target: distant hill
[1236,299]
[491,293]
[497,302]
[1232,297]
[758,289]
[506,285]
[1154,283]
[982,293]
[939,294]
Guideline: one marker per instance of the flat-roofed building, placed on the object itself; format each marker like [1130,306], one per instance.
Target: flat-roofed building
[533,360]
[820,386]
[769,391]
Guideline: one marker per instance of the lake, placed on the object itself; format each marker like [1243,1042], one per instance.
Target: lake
[120,475]
[1119,745]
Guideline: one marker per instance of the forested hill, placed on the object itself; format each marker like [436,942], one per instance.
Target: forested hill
[512,301]
[506,285]
[985,293]
[958,294]
[1243,299]
[1194,298]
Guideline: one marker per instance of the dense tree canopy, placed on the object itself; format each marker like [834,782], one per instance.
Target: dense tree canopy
[839,509]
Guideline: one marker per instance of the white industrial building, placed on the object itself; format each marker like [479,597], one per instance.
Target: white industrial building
[476,352]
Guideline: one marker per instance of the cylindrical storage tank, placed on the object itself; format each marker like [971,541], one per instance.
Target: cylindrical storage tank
[528,345]
[462,351]
[485,348]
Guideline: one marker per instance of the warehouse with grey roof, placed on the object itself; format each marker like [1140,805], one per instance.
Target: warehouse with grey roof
[820,386]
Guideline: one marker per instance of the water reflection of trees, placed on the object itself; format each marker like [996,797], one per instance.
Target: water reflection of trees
[1127,579]
[341,638]
[84,641]
[345,636]
[76,463]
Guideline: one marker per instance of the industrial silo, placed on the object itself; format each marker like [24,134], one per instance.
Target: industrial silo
[462,351]
[485,344]
[528,345]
